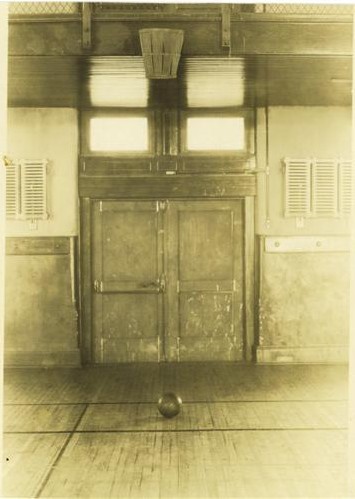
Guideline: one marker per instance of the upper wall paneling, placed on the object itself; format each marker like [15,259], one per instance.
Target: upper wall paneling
[202,36]
[272,59]
[117,81]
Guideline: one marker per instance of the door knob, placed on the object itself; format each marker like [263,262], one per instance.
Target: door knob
[98,286]
[162,283]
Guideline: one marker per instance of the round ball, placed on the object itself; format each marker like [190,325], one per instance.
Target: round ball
[169,405]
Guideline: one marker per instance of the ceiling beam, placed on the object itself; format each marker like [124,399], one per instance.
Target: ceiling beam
[86,25]
[202,38]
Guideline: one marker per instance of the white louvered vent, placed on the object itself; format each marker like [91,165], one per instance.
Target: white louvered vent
[33,189]
[317,187]
[297,187]
[324,188]
[345,187]
[26,190]
[13,207]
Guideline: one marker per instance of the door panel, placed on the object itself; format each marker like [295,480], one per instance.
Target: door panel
[205,275]
[127,260]
[198,245]
[130,239]
[205,238]
[206,314]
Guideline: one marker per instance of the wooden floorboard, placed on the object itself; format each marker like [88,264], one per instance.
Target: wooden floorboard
[200,464]
[194,382]
[243,431]
[49,418]
[219,416]
[28,458]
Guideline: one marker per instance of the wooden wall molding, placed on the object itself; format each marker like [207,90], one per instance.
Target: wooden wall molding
[260,35]
[249,278]
[303,244]
[292,355]
[85,263]
[37,245]
[46,358]
[41,312]
[101,166]
[174,186]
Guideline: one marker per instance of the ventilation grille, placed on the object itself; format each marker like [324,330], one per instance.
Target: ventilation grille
[33,190]
[304,9]
[324,188]
[43,8]
[317,187]
[345,196]
[26,196]
[13,207]
[298,188]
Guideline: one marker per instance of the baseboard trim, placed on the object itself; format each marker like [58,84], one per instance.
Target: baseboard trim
[69,358]
[337,354]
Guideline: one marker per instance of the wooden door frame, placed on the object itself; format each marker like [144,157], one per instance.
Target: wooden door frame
[249,278]
[85,272]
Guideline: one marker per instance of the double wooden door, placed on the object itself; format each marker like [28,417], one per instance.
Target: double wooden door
[168,281]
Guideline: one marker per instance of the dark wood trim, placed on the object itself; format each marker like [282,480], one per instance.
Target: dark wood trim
[259,313]
[44,18]
[249,278]
[179,16]
[50,37]
[258,34]
[76,286]
[86,25]
[102,166]
[295,18]
[37,246]
[70,358]
[85,279]
[169,164]
[257,291]
[320,354]
[166,132]
[226,25]
[204,164]
[170,187]
[275,37]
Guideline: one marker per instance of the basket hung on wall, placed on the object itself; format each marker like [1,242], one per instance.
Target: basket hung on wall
[161,49]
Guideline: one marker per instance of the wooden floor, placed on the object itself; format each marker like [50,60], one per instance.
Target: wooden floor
[244,431]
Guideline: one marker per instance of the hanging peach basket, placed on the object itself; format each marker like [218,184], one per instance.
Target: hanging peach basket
[161,49]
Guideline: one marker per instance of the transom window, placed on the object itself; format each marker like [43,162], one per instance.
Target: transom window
[215,134]
[119,134]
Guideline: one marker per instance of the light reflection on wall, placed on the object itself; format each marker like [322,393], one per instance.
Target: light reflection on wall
[214,82]
[117,82]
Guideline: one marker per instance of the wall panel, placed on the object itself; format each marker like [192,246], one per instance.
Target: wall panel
[41,320]
[304,303]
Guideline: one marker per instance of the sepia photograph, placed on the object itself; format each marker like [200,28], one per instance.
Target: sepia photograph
[177,250]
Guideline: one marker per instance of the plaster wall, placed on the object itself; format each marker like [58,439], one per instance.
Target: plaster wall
[303,293]
[41,320]
[297,132]
[52,134]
